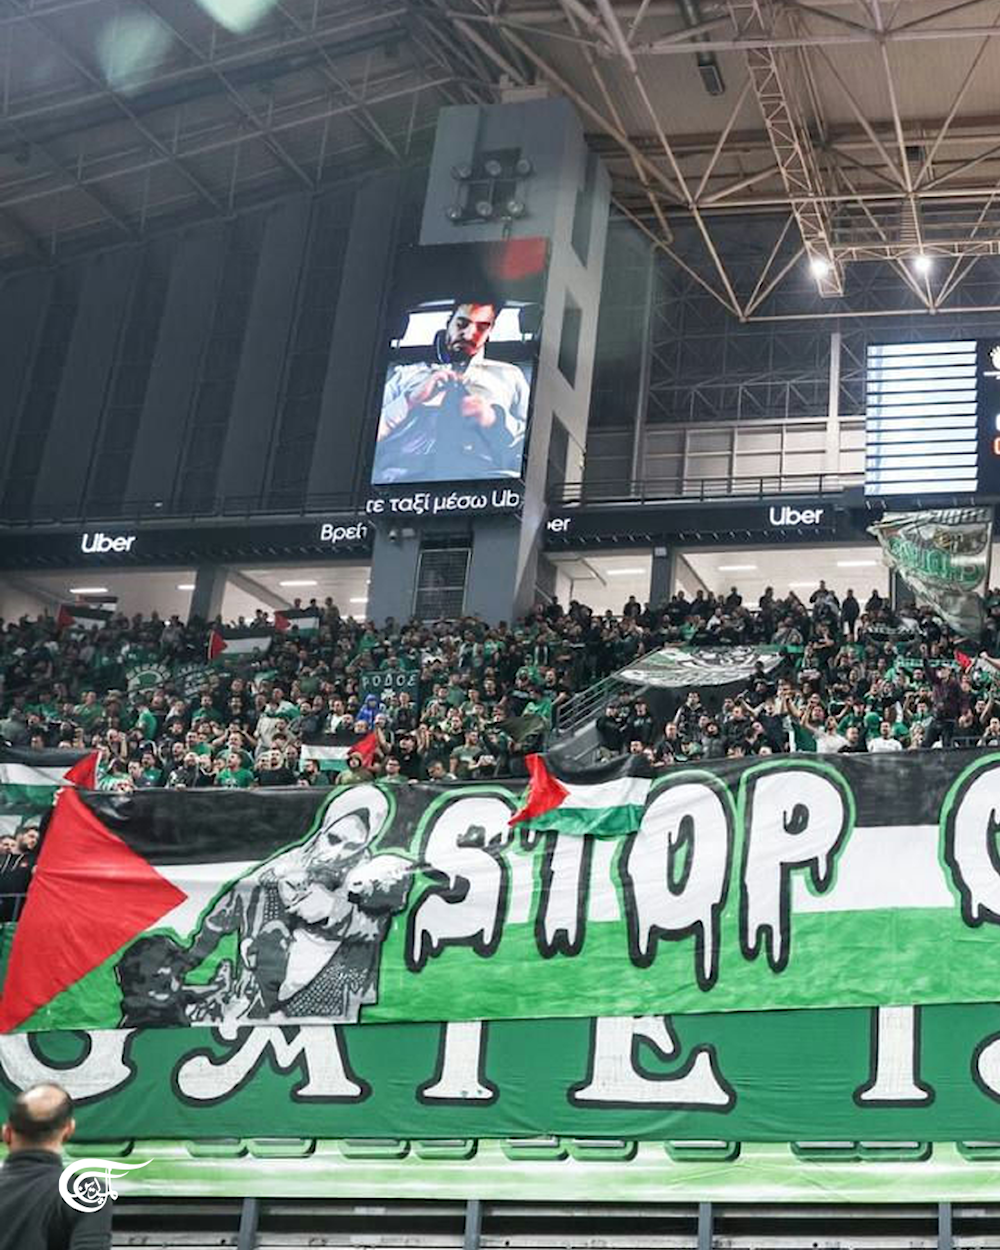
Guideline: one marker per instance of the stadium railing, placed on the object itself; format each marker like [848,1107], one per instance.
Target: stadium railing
[270,504]
[653,490]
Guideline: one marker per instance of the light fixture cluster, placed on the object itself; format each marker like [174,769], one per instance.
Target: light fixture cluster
[490,189]
[819,266]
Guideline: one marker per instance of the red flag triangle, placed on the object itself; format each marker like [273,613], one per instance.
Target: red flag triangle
[90,895]
[545,792]
[366,747]
[216,644]
[83,774]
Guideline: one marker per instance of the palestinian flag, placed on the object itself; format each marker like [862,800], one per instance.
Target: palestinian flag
[230,644]
[78,616]
[331,750]
[144,907]
[29,781]
[606,801]
[304,620]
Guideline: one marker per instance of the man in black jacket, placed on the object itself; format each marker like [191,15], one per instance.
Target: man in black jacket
[33,1215]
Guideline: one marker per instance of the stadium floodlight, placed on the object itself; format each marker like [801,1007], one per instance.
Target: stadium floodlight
[737,568]
[300,581]
[88,590]
[922,263]
[624,572]
[819,267]
[185,585]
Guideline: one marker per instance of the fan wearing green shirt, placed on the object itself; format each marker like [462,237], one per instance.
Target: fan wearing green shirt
[234,776]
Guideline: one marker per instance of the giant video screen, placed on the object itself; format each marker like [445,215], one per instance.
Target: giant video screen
[464,323]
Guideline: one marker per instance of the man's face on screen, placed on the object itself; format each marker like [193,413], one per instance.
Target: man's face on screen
[468,329]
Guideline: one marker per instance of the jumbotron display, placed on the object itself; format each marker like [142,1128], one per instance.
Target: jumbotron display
[464,328]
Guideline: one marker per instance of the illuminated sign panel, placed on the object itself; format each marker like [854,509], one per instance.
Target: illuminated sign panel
[921,419]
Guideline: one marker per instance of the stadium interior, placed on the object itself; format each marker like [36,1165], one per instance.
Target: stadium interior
[415,403]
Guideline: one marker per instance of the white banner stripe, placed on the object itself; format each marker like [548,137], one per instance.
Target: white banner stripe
[622,792]
[882,868]
[315,752]
[30,775]
[201,883]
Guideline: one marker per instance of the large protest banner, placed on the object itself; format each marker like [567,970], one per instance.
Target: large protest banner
[747,885]
[928,1074]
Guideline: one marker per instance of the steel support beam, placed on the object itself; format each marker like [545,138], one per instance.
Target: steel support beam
[245,111]
[472,1233]
[67,53]
[246,1238]
[945,1237]
[705,1222]
[790,142]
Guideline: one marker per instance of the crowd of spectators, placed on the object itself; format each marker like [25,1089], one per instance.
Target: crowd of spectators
[141,692]
[853,677]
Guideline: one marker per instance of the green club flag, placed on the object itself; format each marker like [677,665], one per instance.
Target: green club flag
[682,668]
[743,885]
[944,555]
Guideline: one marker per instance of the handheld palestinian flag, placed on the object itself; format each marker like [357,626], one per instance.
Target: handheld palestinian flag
[606,801]
[305,621]
[29,781]
[235,644]
[330,751]
[78,616]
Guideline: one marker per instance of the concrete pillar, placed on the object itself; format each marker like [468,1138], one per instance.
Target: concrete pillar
[257,390]
[489,590]
[831,456]
[209,589]
[395,561]
[661,578]
[173,377]
[899,592]
[83,386]
[348,404]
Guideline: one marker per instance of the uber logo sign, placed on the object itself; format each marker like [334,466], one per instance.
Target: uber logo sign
[795,516]
[100,544]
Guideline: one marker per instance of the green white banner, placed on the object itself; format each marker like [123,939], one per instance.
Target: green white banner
[748,885]
[944,556]
[899,1074]
[683,668]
